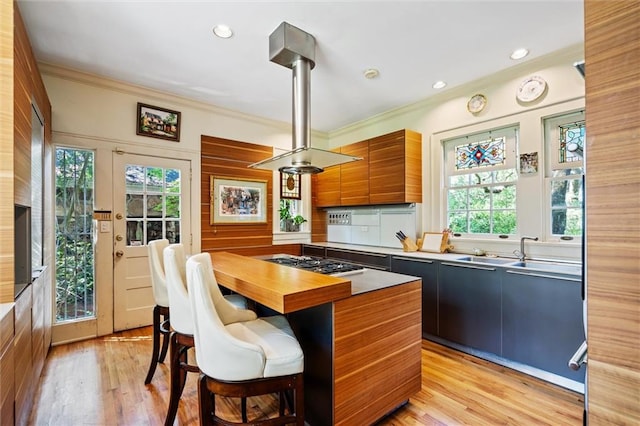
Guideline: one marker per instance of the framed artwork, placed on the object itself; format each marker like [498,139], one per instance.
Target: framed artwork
[529,163]
[158,122]
[237,201]
[289,186]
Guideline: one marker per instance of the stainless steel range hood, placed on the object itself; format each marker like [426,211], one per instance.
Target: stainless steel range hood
[293,48]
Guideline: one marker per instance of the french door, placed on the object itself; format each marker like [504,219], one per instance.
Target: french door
[151,201]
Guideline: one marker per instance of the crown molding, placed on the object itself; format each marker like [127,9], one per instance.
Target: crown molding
[107,83]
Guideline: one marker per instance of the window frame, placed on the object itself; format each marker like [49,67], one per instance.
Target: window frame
[551,145]
[511,134]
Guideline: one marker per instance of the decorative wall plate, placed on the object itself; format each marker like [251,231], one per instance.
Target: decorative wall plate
[476,103]
[531,88]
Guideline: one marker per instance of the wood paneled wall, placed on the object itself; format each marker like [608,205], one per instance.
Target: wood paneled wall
[6,151]
[612,46]
[230,159]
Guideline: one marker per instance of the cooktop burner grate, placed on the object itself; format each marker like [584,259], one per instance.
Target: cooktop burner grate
[316,264]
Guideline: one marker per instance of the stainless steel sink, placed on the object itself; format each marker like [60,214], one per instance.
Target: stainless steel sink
[551,267]
[490,260]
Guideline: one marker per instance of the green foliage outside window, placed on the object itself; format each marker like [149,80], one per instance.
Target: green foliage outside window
[483,203]
[74,243]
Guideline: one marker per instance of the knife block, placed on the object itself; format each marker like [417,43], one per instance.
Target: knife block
[408,245]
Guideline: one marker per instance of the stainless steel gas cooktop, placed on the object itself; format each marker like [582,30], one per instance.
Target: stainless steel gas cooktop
[315,264]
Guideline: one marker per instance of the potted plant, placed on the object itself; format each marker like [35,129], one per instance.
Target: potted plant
[288,221]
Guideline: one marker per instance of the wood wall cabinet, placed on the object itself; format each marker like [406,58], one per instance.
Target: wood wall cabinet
[7,382]
[23,351]
[389,173]
[395,168]
[326,187]
[354,176]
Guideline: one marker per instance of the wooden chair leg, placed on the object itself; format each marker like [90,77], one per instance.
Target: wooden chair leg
[281,397]
[156,345]
[299,400]
[243,408]
[165,337]
[183,363]
[174,387]
[205,401]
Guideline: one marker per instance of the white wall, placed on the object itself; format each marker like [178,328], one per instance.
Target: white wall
[445,116]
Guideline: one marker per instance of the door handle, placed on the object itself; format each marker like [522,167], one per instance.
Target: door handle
[119,253]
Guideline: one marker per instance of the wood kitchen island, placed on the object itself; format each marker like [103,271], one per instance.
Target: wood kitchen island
[361,334]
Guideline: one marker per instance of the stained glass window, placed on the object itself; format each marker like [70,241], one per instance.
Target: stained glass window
[490,152]
[572,138]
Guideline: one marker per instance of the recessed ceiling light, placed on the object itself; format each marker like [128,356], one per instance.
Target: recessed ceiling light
[439,84]
[222,31]
[519,53]
[371,73]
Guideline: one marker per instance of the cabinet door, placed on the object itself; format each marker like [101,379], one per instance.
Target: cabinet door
[354,177]
[469,309]
[428,271]
[395,168]
[542,321]
[326,188]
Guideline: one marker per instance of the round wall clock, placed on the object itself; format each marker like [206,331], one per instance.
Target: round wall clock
[531,88]
[476,103]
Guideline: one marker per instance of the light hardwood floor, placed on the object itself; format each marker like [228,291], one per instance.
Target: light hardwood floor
[101,382]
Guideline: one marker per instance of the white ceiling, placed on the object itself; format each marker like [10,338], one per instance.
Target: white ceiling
[169,46]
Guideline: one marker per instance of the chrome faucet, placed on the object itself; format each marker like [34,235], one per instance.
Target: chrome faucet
[520,253]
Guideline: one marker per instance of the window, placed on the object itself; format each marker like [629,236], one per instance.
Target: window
[565,139]
[75,297]
[152,204]
[481,183]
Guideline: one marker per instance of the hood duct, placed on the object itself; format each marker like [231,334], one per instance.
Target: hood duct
[293,48]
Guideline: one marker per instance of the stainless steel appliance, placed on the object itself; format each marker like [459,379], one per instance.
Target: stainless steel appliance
[316,264]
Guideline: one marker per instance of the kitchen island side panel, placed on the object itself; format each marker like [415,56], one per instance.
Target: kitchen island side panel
[377,344]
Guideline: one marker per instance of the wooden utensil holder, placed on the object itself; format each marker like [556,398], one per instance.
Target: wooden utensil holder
[408,245]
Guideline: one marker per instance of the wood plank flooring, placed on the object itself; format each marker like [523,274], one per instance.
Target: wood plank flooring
[101,382]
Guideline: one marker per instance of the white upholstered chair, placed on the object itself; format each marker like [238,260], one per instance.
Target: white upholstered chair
[161,309]
[182,323]
[239,357]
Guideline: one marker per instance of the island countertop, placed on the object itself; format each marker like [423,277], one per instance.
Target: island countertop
[278,287]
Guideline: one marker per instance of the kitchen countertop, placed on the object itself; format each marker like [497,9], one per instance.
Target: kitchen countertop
[392,251]
[278,287]
[570,267]
[286,289]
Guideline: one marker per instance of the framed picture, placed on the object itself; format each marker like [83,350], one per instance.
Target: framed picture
[289,186]
[158,122]
[238,201]
[529,163]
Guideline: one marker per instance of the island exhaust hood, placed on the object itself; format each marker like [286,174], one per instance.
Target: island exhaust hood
[293,48]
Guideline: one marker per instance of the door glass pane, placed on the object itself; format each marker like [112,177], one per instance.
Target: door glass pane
[173,206]
[173,231]
[134,178]
[154,179]
[154,205]
[154,230]
[135,205]
[172,177]
[147,200]
[74,257]
[134,233]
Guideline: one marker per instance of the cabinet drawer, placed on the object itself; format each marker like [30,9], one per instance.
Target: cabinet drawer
[375,260]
